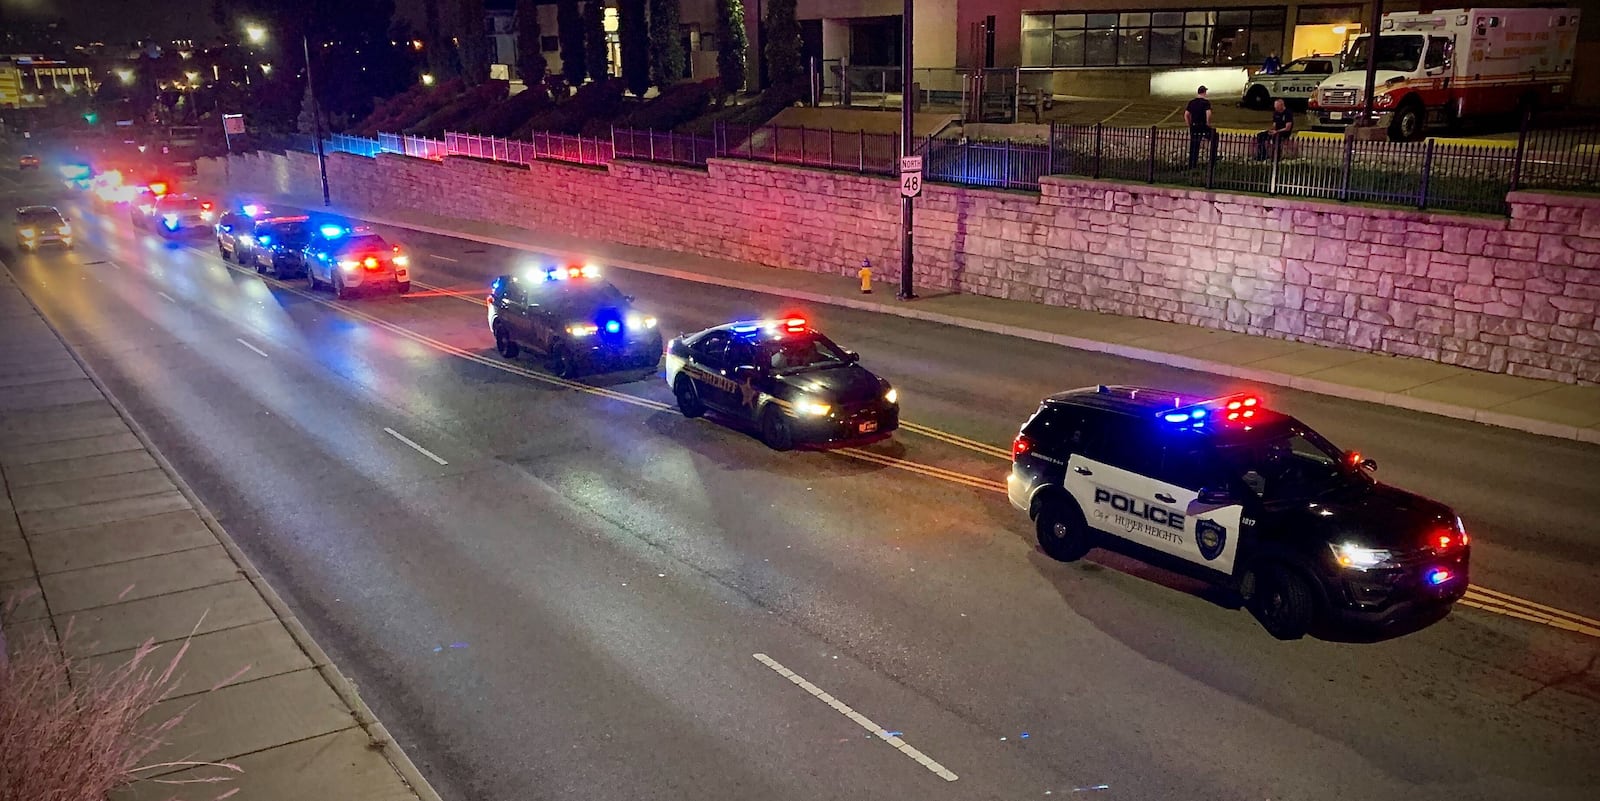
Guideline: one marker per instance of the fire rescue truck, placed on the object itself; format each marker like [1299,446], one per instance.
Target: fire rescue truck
[1438,68]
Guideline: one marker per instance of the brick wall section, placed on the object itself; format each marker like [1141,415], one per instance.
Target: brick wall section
[1517,295]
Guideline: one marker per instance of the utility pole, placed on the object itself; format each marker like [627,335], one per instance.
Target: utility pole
[316,122]
[1372,60]
[907,100]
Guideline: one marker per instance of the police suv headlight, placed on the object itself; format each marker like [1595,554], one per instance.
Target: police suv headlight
[1355,556]
[582,329]
[813,408]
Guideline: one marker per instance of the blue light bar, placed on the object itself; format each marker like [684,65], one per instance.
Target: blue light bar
[746,328]
[1176,417]
[332,231]
[612,326]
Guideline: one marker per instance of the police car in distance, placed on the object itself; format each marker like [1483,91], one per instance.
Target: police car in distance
[236,231]
[1238,494]
[788,379]
[351,258]
[1293,84]
[180,214]
[577,321]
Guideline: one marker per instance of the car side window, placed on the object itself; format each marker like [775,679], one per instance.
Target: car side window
[710,350]
[1192,467]
[1059,430]
[1124,442]
[740,354]
[514,294]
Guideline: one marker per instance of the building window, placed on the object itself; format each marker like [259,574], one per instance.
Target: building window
[1225,37]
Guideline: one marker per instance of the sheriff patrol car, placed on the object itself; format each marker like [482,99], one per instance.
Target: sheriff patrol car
[579,322]
[783,376]
[1238,494]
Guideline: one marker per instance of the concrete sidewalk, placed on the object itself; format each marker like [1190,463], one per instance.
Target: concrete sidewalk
[98,533]
[1542,407]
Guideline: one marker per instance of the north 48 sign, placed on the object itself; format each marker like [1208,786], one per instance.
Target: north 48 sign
[910,184]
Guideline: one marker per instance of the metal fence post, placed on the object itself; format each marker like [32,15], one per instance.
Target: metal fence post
[1211,164]
[966,162]
[774,130]
[672,147]
[1277,157]
[1050,151]
[1427,171]
[831,161]
[650,135]
[1150,172]
[1349,159]
[1522,149]
[1005,166]
[861,152]
[803,160]
[1099,147]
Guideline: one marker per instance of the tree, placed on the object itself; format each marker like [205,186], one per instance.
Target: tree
[783,49]
[633,30]
[436,39]
[731,45]
[530,50]
[666,42]
[472,41]
[594,40]
[307,122]
[569,27]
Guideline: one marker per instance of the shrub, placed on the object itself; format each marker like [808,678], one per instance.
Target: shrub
[505,117]
[753,112]
[80,738]
[460,109]
[420,106]
[599,101]
[676,105]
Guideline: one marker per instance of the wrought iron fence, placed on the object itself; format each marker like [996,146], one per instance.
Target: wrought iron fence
[662,146]
[538,147]
[853,151]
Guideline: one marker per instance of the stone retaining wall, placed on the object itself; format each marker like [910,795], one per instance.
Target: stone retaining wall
[1517,295]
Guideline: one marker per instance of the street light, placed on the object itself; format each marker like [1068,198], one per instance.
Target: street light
[255,33]
[316,122]
[427,79]
[266,69]
[125,75]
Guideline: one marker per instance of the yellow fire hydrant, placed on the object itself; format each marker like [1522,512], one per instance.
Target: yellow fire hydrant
[866,276]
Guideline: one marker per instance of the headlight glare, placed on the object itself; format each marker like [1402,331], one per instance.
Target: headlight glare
[892,396]
[1360,558]
[813,408]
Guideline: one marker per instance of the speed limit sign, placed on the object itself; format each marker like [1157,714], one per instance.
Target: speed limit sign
[910,184]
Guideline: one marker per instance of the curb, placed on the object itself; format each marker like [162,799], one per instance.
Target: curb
[1393,399]
[342,686]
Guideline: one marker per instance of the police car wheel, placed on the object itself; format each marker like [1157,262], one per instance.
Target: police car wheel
[1283,603]
[688,400]
[311,280]
[775,430]
[403,287]
[1258,98]
[505,345]
[340,291]
[562,363]
[1063,533]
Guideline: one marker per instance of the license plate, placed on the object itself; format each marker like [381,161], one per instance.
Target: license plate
[1337,115]
[868,427]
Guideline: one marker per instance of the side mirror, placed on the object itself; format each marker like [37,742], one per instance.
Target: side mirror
[628,298]
[1370,464]
[1212,496]
[745,371]
[851,357]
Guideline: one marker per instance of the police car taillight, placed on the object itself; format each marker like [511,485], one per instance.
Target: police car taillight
[1021,445]
[795,324]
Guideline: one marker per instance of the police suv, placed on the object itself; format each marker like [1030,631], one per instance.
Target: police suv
[577,321]
[783,376]
[1238,494]
[1293,84]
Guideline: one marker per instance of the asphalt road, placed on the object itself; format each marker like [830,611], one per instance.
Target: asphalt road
[571,606]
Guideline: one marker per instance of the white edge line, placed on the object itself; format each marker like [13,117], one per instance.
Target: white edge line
[859,719]
[259,352]
[168,297]
[443,258]
[419,449]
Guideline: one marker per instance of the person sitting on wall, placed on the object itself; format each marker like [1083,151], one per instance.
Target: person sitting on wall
[1282,128]
[1271,65]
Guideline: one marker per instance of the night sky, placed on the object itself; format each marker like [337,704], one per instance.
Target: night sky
[128,20]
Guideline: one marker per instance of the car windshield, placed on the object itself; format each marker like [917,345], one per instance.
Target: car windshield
[583,295]
[1295,464]
[287,233]
[794,352]
[1303,67]
[180,204]
[368,242]
[40,217]
[1395,52]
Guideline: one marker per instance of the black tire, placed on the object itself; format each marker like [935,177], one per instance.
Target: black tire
[340,291]
[403,287]
[256,263]
[1257,98]
[688,399]
[561,361]
[1409,123]
[311,279]
[775,429]
[277,269]
[1063,533]
[1283,601]
[505,345]
[222,251]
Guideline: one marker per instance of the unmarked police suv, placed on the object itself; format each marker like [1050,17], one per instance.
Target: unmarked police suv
[1233,492]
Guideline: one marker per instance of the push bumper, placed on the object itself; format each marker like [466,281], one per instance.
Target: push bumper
[600,356]
[868,422]
[1383,598]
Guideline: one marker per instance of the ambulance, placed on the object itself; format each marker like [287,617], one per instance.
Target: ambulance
[1438,68]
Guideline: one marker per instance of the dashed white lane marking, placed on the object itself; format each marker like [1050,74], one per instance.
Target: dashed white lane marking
[168,297]
[259,352]
[442,258]
[860,719]
[419,449]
